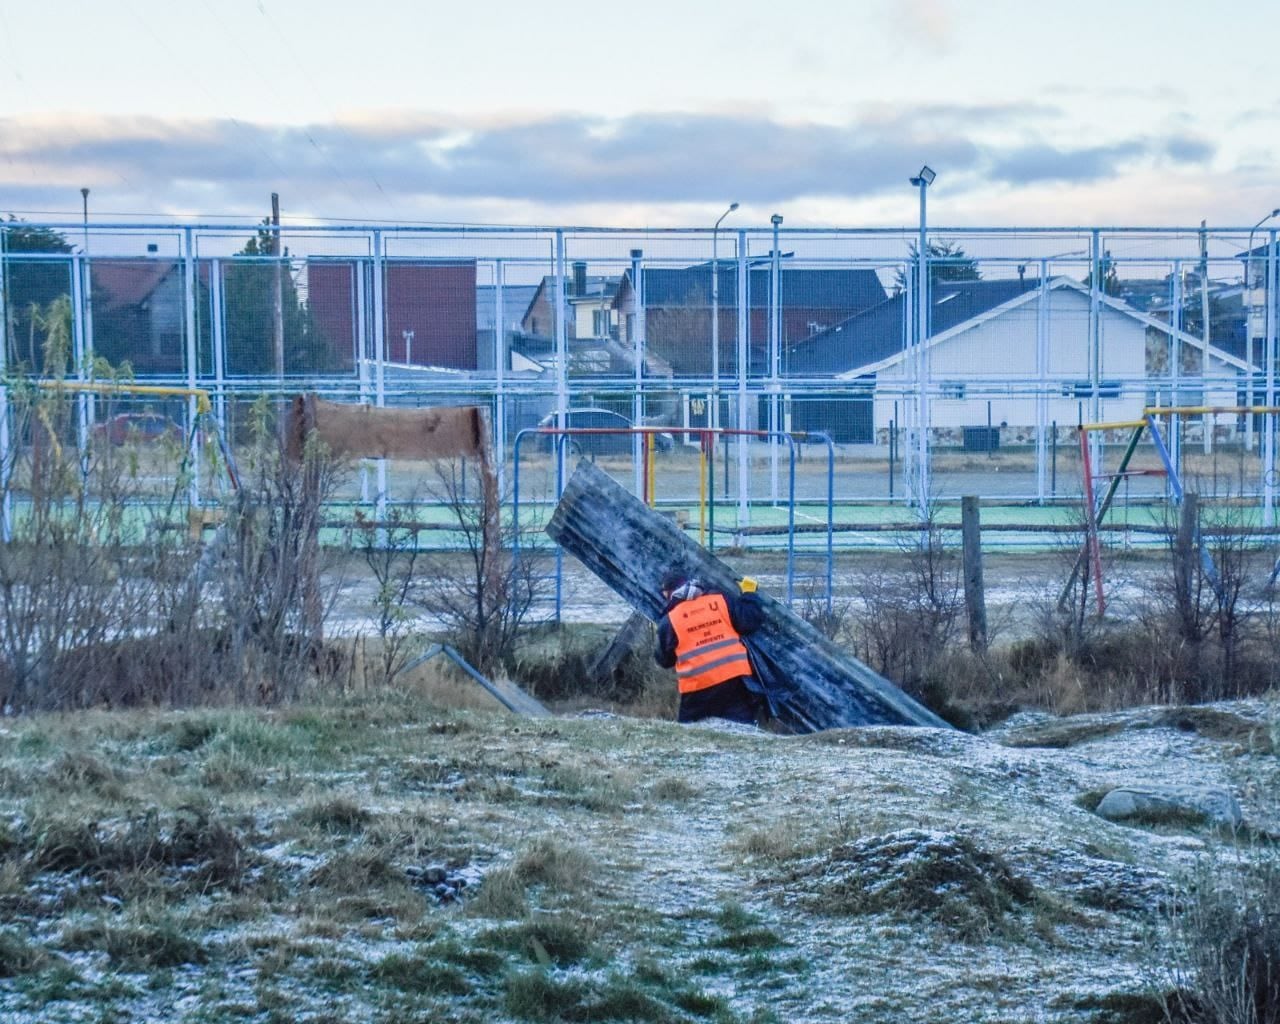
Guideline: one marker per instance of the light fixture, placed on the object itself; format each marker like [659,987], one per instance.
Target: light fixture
[925,177]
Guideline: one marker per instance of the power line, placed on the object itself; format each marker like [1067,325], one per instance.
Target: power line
[287,45]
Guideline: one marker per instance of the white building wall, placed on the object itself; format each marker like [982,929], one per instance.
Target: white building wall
[996,362]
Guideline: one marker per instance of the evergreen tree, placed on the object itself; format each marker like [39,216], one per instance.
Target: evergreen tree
[31,288]
[250,311]
[947,262]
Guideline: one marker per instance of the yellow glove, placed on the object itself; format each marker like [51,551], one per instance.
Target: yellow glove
[747,585]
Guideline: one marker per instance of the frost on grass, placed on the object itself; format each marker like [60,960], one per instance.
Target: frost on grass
[944,876]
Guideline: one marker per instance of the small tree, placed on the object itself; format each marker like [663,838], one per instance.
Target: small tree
[269,584]
[947,262]
[31,285]
[913,613]
[481,593]
[391,551]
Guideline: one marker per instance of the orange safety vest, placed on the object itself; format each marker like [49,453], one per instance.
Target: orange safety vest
[708,648]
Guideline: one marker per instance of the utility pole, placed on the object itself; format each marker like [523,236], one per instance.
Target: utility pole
[277,291]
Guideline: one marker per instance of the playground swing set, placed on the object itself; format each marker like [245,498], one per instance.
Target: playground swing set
[1089,560]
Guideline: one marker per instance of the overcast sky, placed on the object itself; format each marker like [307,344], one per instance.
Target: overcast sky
[651,114]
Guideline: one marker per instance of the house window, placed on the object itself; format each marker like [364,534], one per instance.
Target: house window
[953,389]
[600,323]
[533,325]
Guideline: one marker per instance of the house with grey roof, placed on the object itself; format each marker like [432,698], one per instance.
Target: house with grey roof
[989,340]
[678,310]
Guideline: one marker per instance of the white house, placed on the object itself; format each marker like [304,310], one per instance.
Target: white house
[1024,359]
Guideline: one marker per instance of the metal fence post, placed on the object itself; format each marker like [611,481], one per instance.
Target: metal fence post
[922,358]
[6,452]
[1175,363]
[638,344]
[79,349]
[219,343]
[378,285]
[189,330]
[1269,442]
[562,346]
[744,368]
[1042,375]
[775,343]
[1095,341]
[500,377]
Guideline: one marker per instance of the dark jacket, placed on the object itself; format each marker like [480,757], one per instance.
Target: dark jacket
[745,612]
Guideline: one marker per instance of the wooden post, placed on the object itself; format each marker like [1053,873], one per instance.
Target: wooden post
[634,632]
[1184,545]
[277,294]
[975,601]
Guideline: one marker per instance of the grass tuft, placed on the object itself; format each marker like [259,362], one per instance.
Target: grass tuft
[412,973]
[548,938]
[18,956]
[138,946]
[336,814]
[547,861]
[946,877]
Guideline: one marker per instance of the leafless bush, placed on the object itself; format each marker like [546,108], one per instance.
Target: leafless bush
[1223,960]
[912,613]
[1201,641]
[105,598]
[268,581]
[834,619]
[391,551]
[483,591]
[87,565]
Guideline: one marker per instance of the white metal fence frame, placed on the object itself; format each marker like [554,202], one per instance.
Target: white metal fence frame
[504,255]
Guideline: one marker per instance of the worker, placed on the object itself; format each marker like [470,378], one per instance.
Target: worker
[700,634]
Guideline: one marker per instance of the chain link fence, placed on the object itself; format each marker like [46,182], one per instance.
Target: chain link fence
[964,369]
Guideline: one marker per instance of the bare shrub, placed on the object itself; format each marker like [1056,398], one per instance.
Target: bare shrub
[391,551]
[268,582]
[1223,960]
[481,592]
[90,564]
[105,597]
[913,613]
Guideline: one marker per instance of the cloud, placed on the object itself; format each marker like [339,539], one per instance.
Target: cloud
[405,165]
[652,158]
[1043,162]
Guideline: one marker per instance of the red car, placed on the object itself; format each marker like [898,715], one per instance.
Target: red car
[138,426]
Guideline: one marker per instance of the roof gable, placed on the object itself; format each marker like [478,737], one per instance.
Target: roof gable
[813,288]
[941,336]
[878,333]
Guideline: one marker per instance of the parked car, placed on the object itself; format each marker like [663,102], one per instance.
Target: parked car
[142,427]
[599,444]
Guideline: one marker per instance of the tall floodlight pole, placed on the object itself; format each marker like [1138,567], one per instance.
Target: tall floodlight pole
[775,344]
[84,195]
[713,420]
[1207,419]
[922,181]
[1248,334]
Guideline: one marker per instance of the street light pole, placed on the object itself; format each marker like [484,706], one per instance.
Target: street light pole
[1248,333]
[713,419]
[922,181]
[775,345]
[84,195]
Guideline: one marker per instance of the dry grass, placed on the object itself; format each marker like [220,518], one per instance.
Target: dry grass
[947,878]
[283,864]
